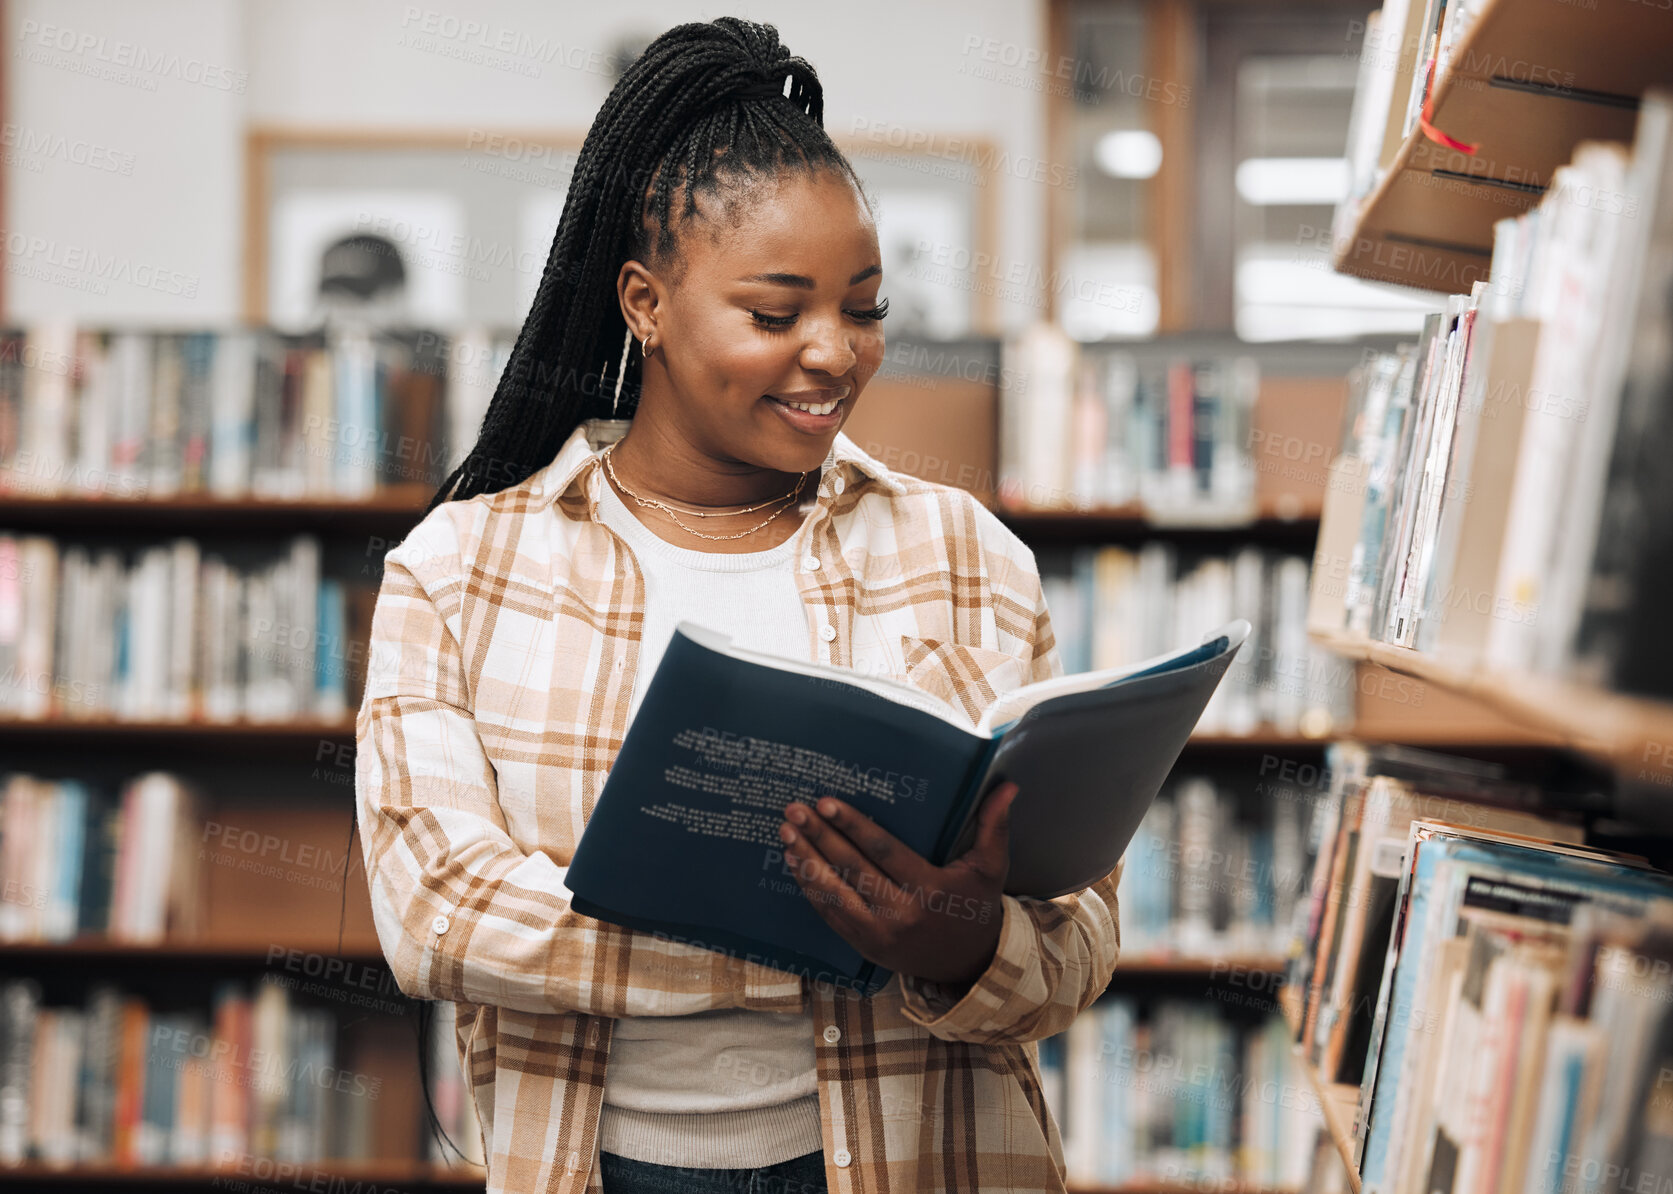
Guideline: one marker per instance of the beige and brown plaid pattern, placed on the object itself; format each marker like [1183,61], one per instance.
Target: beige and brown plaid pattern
[502,656]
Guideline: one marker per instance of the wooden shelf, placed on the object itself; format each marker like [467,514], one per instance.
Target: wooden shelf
[1218,1186]
[417,1176]
[1338,1102]
[367,953]
[1632,734]
[115,731]
[328,1175]
[308,733]
[1528,82]
[1135,521]
[1188,967]
[389,508]
[106,951]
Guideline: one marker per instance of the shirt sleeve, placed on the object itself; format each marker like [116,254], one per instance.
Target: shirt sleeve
[1054,956]
[461,911]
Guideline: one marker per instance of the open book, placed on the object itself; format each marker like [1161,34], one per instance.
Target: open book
[684,839]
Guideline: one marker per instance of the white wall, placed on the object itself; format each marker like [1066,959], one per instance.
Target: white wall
[153,90]
[351,63]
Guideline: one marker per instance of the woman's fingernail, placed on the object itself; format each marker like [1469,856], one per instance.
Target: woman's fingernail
[828,807]
[787,834]
[798,814]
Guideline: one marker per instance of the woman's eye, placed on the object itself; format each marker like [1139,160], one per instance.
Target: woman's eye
[872,314]
[780,322]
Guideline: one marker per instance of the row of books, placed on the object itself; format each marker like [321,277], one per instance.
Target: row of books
[1212,873]
[1409,46]
[1087,428]
[1357,837]
[1475,970]
[77,859]
[120,1082]
[1501,496]
[240,412]
[1178,1092]
[173,632]
[1116,606]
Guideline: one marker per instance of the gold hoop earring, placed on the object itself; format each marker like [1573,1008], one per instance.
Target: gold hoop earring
[645,347]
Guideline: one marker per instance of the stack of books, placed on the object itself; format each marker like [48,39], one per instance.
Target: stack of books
[120,1082]
[232,413]
[80,860]
[172,632]
[1213,872]
[1083,429]
[1117,605]
[1178,1092]
[1501,496]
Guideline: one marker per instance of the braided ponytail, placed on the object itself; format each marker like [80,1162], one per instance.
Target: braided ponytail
[703,109]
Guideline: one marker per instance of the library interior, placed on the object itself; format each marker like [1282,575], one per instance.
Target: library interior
[1353,324]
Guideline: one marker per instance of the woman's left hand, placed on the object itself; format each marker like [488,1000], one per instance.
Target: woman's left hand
[898,909]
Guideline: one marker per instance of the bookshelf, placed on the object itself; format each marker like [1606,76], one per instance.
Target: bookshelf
[394,506]
[418,1177]
[1465,518]
[1632,734]
[243,934]
[1528,82]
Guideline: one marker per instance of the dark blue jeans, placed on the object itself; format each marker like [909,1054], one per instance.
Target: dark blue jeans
[801,1175]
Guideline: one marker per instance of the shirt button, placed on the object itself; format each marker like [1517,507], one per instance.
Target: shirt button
[811,563]
[827,632]
[439,924]
[832,1034]
[573,1163]
[838,485]
[843,1158]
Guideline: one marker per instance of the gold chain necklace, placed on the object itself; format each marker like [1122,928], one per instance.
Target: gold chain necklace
[674,512]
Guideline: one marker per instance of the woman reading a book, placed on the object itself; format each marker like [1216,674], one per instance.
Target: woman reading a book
[665,443]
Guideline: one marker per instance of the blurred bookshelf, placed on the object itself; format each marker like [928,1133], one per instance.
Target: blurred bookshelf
[304,755]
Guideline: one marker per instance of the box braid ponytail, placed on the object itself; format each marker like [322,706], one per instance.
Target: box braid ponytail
[704,109]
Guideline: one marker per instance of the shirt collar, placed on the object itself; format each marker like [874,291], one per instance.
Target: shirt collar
[573,474]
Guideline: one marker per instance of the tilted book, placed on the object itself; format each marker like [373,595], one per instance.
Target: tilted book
[684,839]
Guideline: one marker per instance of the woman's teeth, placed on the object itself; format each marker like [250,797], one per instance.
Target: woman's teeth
[813,408]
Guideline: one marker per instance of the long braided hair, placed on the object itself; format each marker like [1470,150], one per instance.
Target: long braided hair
[703,110]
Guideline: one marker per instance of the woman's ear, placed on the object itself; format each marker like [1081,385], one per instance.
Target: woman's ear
[639,292]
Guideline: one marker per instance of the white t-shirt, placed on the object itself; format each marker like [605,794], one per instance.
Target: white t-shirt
[729,1088]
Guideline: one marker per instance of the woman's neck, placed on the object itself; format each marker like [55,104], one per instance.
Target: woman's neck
[720,506]
[665,465]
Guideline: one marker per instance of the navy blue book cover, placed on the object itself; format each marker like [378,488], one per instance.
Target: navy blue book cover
[684,839]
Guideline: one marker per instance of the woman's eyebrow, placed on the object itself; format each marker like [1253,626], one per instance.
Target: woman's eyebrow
[803,282]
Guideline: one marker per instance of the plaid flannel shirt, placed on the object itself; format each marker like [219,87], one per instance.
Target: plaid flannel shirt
[501,662]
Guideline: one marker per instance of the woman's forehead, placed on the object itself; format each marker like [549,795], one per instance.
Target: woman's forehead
[813,226]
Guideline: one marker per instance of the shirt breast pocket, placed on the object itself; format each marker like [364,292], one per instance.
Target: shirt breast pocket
[968,678]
